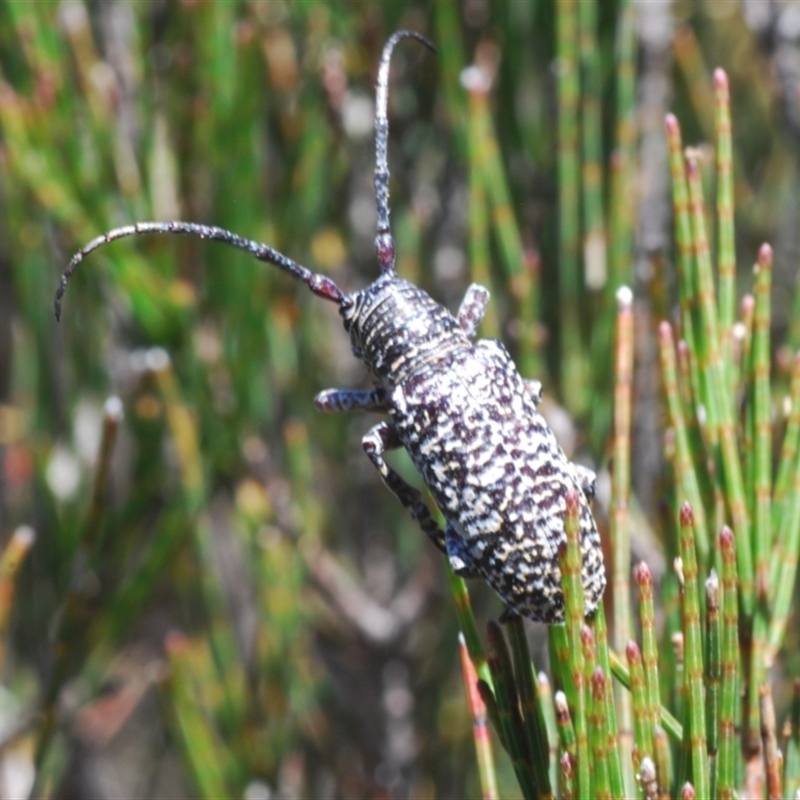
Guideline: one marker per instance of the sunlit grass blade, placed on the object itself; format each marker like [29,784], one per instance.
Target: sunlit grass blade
[532,718]
[207,754]
[13,557]
[508,709]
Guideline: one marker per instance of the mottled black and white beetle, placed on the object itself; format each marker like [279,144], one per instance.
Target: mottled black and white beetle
[460,409]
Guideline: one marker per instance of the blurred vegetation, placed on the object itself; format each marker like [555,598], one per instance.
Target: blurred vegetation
[205,590]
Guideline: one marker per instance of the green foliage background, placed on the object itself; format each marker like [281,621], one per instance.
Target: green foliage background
[236,587]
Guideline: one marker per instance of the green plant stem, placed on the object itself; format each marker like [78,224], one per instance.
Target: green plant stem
[726,256]
[729,688]
[571,564]
[694,655]
[573,365]
[480,730]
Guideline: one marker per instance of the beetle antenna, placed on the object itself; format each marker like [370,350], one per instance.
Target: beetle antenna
[321,285]
[384,243]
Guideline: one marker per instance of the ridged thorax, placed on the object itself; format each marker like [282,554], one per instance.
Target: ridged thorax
[396,328]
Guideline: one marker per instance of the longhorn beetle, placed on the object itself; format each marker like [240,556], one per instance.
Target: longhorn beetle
[460,409]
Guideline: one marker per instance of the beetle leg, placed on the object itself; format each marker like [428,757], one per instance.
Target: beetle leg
[337,401]
[460,560]
[534,390]
[587,480]
[472,309]
[376,442]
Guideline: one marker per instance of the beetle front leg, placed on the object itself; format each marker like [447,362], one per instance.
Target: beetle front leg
[472,309]
[587,480]
[338,401]
[376,442]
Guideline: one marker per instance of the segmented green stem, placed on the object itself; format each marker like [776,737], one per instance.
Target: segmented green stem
[468,626]
[620,519]
[667,720]
[707,336]
[478,222]
[693,655]
[624,157]
[480,730]
[726,255]
[748,306]
[729,689]
[786,569]
[548,714]
[791,438]
[647,616]
[643,730]
[572,359]
[713,671]
[571,564]
[761,490]
[567,777]
[687,288]
[598,626]
[719,411]
[566,731]
[686,476]
[594,236]
[601,787]
[663,757]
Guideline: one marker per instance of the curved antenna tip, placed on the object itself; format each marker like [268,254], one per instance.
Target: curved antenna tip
[384,244]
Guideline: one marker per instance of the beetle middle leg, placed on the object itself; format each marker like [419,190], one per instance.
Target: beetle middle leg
[587,480]
[376,442]
[338,401]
